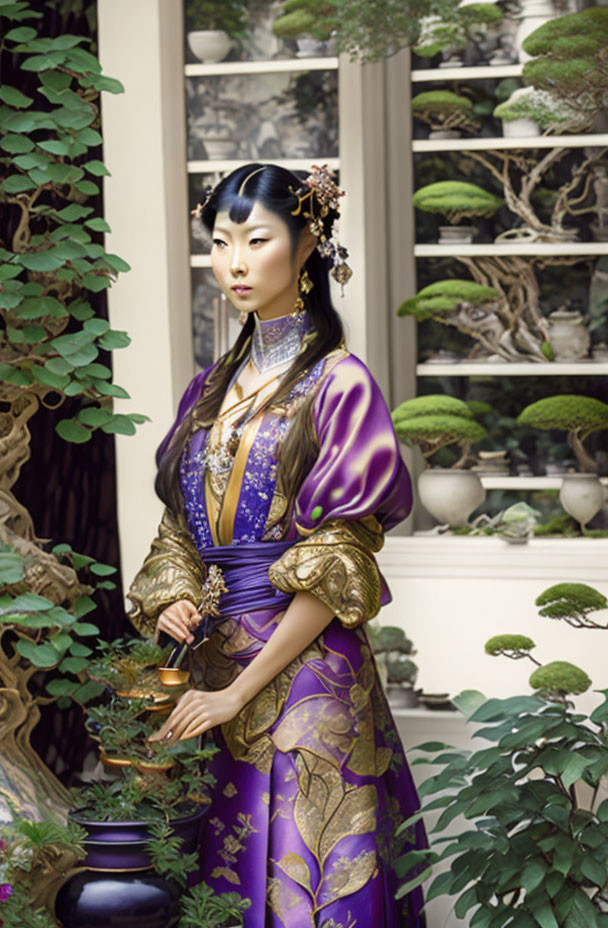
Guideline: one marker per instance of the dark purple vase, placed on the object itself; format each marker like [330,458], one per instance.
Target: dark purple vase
[119,888]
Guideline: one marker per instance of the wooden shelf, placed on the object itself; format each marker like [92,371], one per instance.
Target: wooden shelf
[481,72]
[502,249]
[507,369]
[292,164]
[525,483]
[222,68]
[502,143]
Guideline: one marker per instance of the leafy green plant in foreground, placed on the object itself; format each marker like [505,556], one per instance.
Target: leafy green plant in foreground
[528,842]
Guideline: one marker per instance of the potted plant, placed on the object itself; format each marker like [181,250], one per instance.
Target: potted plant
[309,22]
[213,27]
[51,261]
[467,24]
[533,14]
[567,59]
[445,112]
[481,312]
[529,110]
[581,494]
[456,200]
[530,850]
[149,783]
[393,650]
[431,423]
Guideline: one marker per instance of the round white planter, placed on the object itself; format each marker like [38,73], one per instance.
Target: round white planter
[450,495]
[456,235]
[520,128]
[582,496]
[309,47]
[569,336]
[533,14]
[210,45]
[219,148]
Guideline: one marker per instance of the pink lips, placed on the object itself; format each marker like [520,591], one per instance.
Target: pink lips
[242,290]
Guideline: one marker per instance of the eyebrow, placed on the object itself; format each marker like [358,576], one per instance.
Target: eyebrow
[247,227]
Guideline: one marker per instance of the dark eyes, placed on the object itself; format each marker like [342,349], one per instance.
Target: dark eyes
[220,243]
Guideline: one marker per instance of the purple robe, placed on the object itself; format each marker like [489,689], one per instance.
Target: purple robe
[311,778]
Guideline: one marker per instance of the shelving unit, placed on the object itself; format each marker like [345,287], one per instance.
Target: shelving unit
[480,72]
[502,142]
[223,68]
[503,249]
[515,369]
[292,164]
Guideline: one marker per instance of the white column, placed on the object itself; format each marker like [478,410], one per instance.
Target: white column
[141,44]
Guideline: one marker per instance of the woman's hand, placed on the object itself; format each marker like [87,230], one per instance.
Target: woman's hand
[195,712]
[178,620]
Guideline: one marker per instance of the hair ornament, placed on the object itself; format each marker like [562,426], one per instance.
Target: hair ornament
[318,194]
[200,207]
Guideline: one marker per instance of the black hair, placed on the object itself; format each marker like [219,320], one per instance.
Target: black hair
[274,187]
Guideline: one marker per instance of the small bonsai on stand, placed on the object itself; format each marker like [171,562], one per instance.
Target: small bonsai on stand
[570,61]
[445,112]
[311,22]
[529,110]
[213,27]
[431,423]
[456,200]
[581,494]
[394,649]
[483,313]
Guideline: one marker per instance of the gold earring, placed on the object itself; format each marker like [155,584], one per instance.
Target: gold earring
[306,283]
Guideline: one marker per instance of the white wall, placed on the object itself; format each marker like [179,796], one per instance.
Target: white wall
[141,44]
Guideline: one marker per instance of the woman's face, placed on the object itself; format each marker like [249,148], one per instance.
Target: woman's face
[254,263]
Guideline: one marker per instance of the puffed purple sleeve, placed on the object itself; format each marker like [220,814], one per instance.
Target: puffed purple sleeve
[359,470]
[190,397]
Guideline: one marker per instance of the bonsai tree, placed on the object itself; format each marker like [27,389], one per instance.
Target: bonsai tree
[570,61]
[306,17]
[456,200]
[528,853]
[435,421]
[51,261]
[442,109]
[542,107]
[229,16]
[467,25]
[575,603]
[392,646]
[579,416]
[481,312]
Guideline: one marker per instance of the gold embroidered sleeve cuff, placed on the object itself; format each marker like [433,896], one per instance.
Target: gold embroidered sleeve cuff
[172,570]
[336,563]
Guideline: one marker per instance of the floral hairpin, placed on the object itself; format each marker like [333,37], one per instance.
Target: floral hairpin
[198,211]
[320,189]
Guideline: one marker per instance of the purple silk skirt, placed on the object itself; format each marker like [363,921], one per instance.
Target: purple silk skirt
[311,778]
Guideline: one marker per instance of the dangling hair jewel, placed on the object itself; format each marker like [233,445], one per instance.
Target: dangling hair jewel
[320,189]
[207,194]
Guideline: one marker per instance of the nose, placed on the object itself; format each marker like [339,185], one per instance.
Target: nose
[237,263]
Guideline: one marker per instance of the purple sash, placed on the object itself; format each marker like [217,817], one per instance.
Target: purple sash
[245,570]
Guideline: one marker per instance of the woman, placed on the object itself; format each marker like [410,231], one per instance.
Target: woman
[279,477]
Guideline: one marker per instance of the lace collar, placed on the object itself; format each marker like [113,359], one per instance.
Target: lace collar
[277,341]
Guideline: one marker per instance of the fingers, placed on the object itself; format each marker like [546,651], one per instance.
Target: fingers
[174,626]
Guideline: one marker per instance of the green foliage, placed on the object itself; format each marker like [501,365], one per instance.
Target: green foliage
[389,638]
[464,25]
[444,297]
[204,908]
[306,17]
[573,602]
[569,412]
[444,109]
[168,859]
[542,107]
[524,852]
[570,59]
[456,200]
[229,16]
[434,421]
[559,678]
[29,851]
[509,645]
[51,338]
[432,404]
[401,670]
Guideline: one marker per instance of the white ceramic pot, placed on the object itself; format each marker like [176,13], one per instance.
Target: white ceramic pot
[209,45]
[309,47]
[569,336]
[445,134]
[456,235]
[520,128]
[582,496]
[450,495]
[533,14]
[219,148]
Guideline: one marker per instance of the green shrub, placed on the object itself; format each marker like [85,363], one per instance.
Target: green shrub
[444,296]
[456,200]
